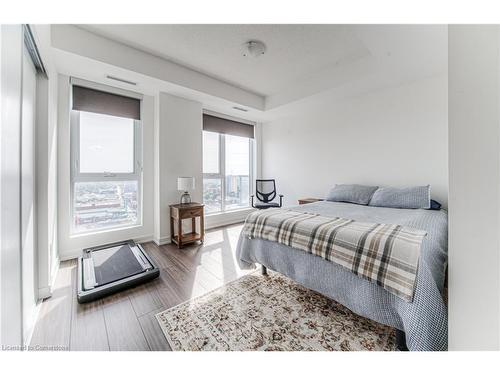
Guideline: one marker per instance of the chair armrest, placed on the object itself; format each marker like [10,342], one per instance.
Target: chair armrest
[281,200]
[251,201]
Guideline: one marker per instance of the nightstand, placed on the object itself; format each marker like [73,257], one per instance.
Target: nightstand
[309,200]
[179,212]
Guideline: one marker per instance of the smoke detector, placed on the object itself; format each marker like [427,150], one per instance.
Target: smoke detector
[254,48]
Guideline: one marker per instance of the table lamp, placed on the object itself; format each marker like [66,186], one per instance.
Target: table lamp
[185,184]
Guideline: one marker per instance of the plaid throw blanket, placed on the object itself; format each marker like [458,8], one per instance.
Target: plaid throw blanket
[386,254]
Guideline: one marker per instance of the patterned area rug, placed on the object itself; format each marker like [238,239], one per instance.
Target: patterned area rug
[271,312]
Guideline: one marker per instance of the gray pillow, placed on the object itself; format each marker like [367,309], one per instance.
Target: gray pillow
[410,197]
[359,194]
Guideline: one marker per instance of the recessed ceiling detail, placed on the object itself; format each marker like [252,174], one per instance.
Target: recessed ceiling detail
[294,52]
[206,62]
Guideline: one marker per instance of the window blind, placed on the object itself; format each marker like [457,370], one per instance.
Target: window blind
[225,126]
[91,100]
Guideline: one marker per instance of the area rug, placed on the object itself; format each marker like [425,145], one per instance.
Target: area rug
[272,312]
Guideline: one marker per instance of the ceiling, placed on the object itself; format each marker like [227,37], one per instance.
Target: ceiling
[293,51]
[205,62]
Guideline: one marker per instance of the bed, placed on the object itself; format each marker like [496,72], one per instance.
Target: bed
[424,320]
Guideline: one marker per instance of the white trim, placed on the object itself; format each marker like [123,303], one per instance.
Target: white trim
[105,88]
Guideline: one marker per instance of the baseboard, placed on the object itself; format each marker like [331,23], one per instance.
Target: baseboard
[142,239]
[75,253]
[226,218]
[162,241]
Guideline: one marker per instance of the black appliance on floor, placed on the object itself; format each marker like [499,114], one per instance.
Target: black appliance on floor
[110,268]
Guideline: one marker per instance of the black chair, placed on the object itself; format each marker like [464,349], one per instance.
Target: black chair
[265,191]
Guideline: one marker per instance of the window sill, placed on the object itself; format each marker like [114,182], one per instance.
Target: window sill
[235,211]
[219,219]
[105,231]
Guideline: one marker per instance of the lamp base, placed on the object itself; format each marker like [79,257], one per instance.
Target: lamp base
[185,198]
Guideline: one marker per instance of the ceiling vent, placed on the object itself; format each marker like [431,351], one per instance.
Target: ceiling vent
[240,109]
[121,80]
[254,48]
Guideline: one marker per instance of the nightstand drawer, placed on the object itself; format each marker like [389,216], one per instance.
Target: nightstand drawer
[192,212]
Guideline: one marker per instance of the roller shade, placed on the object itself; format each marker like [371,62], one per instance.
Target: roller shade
[91,100]
[224,126]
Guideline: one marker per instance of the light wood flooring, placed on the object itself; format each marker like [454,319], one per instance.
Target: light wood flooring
[126,321]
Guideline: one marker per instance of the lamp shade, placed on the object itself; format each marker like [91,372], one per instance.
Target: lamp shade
[185,183]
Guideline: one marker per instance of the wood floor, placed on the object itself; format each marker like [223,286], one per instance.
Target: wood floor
[126,321]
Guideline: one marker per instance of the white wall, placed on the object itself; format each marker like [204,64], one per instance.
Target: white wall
[396,136]
[71,246]
[179,153]
[474,123]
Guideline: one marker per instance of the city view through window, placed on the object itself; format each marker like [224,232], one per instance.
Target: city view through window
[226,183]
[100,205]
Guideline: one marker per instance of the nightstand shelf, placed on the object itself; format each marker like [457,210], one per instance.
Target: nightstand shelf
[187,238]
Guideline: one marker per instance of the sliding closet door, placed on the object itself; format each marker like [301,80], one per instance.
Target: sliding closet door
[10,167]
[28,214]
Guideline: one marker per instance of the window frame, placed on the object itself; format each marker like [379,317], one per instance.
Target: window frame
[76,176]
[222,173]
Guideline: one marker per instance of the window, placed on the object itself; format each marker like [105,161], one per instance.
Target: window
[237,170]
[227,169]
[106,164]
[212,177]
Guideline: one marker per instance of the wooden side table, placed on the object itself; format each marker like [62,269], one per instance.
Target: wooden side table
[179,212]
[309,200]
